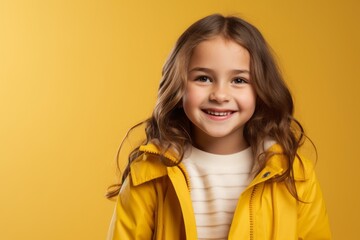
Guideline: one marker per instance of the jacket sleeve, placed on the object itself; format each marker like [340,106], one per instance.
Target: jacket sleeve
[134,212]
[313,220]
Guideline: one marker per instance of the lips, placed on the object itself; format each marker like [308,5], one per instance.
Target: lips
[218,113]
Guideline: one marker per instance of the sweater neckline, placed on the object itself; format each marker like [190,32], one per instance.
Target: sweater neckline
[202,158]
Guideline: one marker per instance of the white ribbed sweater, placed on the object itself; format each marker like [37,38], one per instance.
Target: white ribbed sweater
[216,184]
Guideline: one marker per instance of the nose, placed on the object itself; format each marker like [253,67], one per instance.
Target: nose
[219,94]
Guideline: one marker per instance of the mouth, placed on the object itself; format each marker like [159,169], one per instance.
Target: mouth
[218,113]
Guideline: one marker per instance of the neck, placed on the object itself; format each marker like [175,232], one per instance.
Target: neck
[220,145]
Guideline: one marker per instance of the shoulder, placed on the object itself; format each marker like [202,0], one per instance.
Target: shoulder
[145,168]
[302,167]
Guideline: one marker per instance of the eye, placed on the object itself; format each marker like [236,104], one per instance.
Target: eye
[203,79]
[240,81]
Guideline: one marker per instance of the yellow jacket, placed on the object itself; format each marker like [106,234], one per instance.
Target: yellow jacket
[154,203]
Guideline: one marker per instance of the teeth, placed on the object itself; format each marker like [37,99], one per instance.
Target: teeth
[218,113]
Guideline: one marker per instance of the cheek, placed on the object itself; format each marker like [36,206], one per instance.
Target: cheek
[248,100]
[191,103]
[191,98]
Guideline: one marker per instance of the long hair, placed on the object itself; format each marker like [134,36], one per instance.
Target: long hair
[273,118]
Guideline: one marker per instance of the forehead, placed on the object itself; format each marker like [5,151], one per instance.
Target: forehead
[219,53]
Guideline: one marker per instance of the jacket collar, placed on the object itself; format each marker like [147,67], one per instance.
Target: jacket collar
[154,149]
[149,166]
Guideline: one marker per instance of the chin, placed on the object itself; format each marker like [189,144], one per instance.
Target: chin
[218,135]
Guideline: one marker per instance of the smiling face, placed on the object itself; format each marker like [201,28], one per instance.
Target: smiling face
[219,97]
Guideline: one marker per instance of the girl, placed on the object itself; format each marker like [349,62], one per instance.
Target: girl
[220,157]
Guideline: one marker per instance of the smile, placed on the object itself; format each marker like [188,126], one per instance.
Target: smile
[218,113]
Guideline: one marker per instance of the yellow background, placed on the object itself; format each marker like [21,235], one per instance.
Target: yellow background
[75,75]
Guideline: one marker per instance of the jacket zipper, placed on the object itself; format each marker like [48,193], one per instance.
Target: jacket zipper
[251,214]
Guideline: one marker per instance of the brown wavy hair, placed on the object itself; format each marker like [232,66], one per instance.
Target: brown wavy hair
[273,117]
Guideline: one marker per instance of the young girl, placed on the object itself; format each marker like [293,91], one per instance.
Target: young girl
[220,157]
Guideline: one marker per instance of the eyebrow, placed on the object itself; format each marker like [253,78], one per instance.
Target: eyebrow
[209,70]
